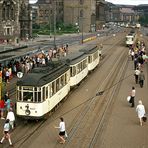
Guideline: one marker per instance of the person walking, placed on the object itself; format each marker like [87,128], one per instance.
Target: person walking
[133,93]
[6,96]
[7,75]
[132,55]
[11,117]
[8,104]
[141,79]
[6,133]
[62,130]
[140,109]
[2,108]
[137,72]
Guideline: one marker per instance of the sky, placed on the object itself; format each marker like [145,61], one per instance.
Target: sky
[126,2]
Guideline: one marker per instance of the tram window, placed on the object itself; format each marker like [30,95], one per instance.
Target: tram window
[28,96]
[35,96]
[39,96]
[57,85]
[78,68]
[46,92]
[60,85]
[66,80]
[49,90]
[53,88]
[43,94]
[85,63]
[81,66]
[62,80]
[95,55]
[74,70]
[71,71]
[89,59]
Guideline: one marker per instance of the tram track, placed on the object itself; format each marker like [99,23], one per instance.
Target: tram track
[86,111]
[101,124]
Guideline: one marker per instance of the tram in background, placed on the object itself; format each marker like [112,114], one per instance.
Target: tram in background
[131,39]
[42,89]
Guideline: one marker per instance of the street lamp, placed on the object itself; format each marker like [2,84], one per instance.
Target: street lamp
[77,27]
[55,24]
[82,36]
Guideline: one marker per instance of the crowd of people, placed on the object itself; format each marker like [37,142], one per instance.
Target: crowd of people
[138,55]
[28,62]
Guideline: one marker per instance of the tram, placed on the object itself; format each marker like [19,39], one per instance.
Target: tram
[131,39]
[44,87]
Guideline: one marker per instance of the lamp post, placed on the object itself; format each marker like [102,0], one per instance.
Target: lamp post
[54,23]
[82,33]
[77,27]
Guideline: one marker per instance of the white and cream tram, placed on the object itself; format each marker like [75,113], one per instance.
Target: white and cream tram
[131,39]
[78,63]
[93,56]
[41,90]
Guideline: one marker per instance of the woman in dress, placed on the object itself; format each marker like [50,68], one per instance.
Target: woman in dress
[140,109]
[62,130]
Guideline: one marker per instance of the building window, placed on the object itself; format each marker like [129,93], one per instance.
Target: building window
[8,12]
[81,2]
[81,13]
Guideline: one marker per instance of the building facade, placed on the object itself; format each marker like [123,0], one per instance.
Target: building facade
[128,15]
[44,12]
[100,14]
[15,20]
[81,13]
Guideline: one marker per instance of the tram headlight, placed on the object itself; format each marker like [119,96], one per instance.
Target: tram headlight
[27,112]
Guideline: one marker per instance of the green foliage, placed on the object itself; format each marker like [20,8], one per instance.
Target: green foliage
[143,19]
[60,29]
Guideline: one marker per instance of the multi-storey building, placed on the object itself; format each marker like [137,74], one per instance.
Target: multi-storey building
[81,13]
[44,11]
[128,15]
[15,20]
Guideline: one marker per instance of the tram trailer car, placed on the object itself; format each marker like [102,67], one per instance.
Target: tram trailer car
[43,88]
[93,56]
[78,62]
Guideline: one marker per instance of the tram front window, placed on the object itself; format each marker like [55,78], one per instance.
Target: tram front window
[28,96]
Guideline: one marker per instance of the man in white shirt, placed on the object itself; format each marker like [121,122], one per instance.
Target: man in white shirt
[133,93]
[11,117]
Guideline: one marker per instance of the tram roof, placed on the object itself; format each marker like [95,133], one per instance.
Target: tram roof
[42,75]
[74,57]
[89,49]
